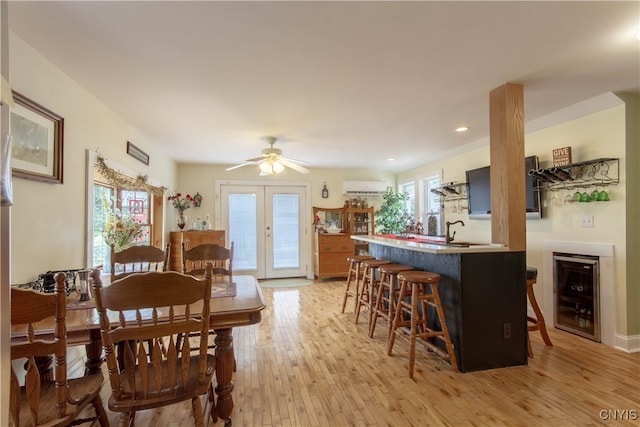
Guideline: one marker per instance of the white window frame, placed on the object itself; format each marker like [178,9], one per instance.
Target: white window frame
[430,204]
[410,204]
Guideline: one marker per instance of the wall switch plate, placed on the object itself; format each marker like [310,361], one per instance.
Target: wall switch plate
[586,221]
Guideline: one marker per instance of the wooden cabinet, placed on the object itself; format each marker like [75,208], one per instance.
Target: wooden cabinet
[191,239]
[330,253]
[325,218]
[361,221]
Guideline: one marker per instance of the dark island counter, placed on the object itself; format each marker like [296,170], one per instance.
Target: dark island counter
[483,292]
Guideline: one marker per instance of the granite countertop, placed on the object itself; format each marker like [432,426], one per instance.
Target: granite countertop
[429,245]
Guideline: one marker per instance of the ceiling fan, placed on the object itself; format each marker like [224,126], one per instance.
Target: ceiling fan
[272,161]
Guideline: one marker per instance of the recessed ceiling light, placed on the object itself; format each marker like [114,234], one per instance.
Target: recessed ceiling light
[462,129]
[391,159]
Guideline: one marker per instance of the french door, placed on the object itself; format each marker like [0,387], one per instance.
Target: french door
[267,225]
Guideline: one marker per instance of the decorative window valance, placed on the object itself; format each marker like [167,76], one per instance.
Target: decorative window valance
[119,179]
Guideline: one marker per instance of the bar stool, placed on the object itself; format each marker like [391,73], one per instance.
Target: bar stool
[535,323]
[414,284]
[385,299]
[369,285]
[353,275]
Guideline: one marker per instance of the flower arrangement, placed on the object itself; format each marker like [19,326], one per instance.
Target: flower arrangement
[181,203]
[118,231]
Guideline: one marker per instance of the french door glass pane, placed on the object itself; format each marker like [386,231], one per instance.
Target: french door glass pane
[243,231]
[286,239]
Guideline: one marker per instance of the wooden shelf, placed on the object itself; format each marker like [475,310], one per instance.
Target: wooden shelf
[360,221]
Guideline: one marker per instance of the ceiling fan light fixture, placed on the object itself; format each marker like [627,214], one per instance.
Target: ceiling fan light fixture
[272,162]
[270,167]
[277,167]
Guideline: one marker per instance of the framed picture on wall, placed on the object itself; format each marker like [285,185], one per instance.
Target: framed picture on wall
[37,141]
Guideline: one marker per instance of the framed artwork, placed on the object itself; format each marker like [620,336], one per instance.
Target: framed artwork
[37,141]
[137,153]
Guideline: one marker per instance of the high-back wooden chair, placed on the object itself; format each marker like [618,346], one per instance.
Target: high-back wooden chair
[39,402]
[138,259]
[156,307]
[194,260]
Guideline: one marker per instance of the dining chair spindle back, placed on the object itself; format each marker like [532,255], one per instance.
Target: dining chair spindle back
[194,260]
[138,259]
[156,307]
[47,401]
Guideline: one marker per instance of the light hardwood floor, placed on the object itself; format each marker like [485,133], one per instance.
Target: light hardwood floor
[308,365]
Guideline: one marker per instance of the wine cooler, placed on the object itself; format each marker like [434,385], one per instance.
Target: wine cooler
[576,294]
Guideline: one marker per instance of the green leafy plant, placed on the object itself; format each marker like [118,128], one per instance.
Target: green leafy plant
[391,218]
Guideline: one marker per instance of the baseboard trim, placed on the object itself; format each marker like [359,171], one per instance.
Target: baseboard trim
[628,344]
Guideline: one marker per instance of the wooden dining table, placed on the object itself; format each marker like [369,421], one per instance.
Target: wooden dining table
[227,312]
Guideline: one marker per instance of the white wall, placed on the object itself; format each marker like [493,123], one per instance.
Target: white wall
[597,135]
[49,220]
[194,178]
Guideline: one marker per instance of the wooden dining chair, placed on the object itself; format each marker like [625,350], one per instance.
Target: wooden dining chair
[156,307]
[39,402]
[195,259]
[138,259]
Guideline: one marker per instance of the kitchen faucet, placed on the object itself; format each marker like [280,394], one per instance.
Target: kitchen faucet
[449,238]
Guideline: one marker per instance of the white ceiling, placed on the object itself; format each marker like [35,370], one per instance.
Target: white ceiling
[341,84]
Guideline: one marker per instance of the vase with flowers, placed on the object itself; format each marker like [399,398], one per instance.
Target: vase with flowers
[181,204]
[119,231]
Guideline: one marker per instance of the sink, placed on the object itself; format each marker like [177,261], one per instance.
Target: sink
[455,244]
[433,241]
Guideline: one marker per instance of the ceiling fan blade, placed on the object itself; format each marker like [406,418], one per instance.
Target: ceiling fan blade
[239,166]
[271,161]
[288,163]
[300,162]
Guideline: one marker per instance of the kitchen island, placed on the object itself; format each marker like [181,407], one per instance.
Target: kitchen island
[483,293]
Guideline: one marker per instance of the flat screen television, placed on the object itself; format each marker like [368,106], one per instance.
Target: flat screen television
[479,181]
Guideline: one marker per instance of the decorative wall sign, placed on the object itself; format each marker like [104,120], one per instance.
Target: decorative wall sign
[136,206]
[137,153]
[37,141]
[562,156]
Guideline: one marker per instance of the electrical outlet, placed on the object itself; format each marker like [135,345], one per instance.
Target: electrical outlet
[506,330]
[586,221]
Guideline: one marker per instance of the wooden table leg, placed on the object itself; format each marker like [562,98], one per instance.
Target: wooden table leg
[357,286]
[224,372]
[44,367]
[93,365]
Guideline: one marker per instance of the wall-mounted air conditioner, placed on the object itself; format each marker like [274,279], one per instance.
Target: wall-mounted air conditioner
[368,188]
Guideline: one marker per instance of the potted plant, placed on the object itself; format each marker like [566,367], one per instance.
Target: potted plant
[392,218]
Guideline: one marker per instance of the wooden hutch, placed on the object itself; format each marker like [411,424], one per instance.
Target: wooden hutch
[332,238]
